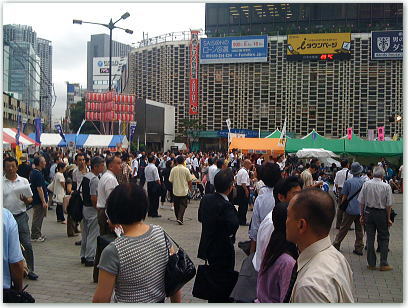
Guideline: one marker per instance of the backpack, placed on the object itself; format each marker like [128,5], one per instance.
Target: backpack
[86,191]
[75,205]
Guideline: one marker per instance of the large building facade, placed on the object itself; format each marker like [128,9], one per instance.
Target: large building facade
[29,69]
[98,47]
[328,96]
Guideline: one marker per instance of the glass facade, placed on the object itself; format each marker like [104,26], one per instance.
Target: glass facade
[229,19]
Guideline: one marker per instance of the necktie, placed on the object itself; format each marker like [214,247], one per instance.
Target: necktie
[291,284]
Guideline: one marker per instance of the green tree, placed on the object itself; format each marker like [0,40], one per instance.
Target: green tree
[77,115]
[189,131]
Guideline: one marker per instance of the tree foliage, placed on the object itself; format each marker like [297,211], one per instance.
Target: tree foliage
[77,115]
[189,130]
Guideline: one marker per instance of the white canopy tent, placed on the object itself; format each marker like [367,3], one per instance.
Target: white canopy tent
[50,140]
[98,141]
[317,153]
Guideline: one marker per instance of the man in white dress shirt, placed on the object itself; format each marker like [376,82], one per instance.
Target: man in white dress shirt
[243,183]
[341,177]
[153,187]
[323,273]
[106,184]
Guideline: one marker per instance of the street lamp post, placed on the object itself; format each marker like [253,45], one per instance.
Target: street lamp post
[110,26]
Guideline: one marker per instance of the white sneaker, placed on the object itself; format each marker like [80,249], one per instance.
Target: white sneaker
[40,239]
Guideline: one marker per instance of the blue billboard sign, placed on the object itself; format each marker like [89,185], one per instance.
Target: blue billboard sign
[237,49]
[248,133]
[386,45]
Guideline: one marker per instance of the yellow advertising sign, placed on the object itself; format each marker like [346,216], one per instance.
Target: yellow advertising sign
[320,43]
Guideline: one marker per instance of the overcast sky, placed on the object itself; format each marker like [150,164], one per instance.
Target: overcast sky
[53,21]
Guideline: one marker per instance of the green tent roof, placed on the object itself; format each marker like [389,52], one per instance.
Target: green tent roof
[275,134]
[361,147]
[315,141]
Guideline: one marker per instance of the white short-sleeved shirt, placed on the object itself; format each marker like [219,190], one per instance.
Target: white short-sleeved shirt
[135,165]
[341,177]
[107,183]
[262,240]
[401,169]
[242,177]
[376,194]
[212,171]
[11,201]
[151,173]
[59,190]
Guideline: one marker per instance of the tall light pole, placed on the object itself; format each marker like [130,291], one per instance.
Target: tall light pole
[110,26]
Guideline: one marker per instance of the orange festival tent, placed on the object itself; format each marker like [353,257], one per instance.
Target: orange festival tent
[264,146]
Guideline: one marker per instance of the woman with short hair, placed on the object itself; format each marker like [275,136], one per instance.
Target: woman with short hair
[134,264]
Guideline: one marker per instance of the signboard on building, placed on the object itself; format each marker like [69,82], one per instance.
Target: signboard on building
[239,49]
[320,46]
[100,71]
[194,48]
[238,132]
[386,45]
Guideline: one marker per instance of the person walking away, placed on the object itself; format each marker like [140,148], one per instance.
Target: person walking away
[243,183]
[167,183]
[17,205]
[219,224]
[134,166]
[341,177]
[24,169]
[13,260]
[278,261]
[375,202]
[59,192]
[322,274]
[181,180]
[350,192]
[212,170]
[153,187]
[141,170]
[40,199]
[90,231]
[270,175]
[133,267]
[106,184]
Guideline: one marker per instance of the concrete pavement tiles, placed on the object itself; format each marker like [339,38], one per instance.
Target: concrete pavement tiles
[64,280]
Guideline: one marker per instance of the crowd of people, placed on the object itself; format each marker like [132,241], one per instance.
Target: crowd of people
[290,257]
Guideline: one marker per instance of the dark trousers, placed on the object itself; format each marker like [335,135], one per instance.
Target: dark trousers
[142,181]
[60,212]
[72,226]
[344,228]
[180,205]
[102,222]
[340,213]
[39,212]
[209,188]
[242,201]
[153,191]
[24,235]
[376,220]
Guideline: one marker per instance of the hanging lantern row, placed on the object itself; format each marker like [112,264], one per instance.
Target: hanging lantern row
[109,116]
[109,106]
[110,97]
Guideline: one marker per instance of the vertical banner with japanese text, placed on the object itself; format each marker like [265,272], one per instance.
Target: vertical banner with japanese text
[194,72]
[381,133]
[349,133]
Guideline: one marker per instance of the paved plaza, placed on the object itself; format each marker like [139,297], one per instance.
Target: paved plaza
[64,280]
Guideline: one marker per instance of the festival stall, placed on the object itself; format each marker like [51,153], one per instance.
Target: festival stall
[264,146]
[9,138]
[314,140]
[360,147]
[275,134]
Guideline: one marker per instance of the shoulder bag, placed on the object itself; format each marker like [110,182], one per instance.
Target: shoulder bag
[343,206]
[13,296]
[179,270]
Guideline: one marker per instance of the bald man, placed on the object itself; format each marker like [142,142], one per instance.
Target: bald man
[323,273]
[243,181]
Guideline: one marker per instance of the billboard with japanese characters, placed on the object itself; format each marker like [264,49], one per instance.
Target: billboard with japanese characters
[238,49]
[386,45]
[331,46]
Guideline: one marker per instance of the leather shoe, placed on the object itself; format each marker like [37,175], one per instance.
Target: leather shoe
[83,260]
[386,268]
[179,222]
[78,243]
[89,263]
[359,253]
[32,276]
[371,268]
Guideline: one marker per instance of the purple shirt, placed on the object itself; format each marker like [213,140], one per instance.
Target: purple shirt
[274,283]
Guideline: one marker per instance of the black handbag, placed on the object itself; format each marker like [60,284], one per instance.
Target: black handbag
[392,215]
[179,270]
[214,285]
[14,296]
[343,206]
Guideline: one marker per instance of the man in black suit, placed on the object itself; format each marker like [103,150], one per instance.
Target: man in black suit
[220,222]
